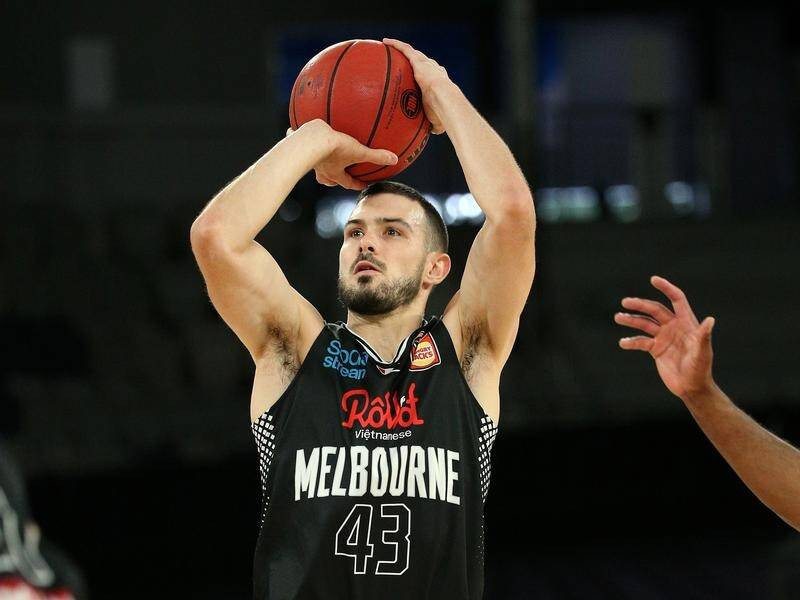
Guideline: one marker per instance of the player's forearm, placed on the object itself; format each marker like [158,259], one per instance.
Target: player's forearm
[243,207]
[492,174]
[769,466]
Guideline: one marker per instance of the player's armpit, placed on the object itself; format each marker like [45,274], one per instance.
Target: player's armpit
[250,292]
[497,279]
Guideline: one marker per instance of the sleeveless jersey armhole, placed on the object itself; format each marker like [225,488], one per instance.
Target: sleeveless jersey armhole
[263,428]
[452,349]
[295,378]
[487,428]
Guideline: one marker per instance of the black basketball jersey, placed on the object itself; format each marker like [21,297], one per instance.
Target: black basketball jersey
[374,474]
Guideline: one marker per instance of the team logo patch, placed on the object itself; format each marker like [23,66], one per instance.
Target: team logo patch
[385,411]
[411,103]
[348,363]
[424,353]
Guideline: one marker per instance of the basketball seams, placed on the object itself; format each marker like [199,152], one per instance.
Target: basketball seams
[330,84]
[293,107]
[383,98]
[401,153]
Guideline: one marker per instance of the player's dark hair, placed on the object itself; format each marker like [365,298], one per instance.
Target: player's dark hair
[439,240]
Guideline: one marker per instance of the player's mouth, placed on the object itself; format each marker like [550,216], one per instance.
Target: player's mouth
[364,267]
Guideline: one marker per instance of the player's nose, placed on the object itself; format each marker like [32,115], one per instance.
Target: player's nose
[366,243]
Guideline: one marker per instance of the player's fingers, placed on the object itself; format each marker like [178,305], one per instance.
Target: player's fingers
[400,45]
[658,311]
[639,342]
[349,182]
[325,180]
[641,322]
[378,157]
[410,52]
[675,294]
[437,128]
[289,132]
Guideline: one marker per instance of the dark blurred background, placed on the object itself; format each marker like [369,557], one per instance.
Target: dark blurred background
[659,137]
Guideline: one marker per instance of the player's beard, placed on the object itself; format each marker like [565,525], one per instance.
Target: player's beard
[369,298]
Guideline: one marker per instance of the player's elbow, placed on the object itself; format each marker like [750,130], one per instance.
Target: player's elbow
[206,236]
[513,204]
[518,216]
[520,207]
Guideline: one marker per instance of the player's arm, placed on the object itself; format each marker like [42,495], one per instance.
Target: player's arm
[500,267]
[681,347]
[245,283]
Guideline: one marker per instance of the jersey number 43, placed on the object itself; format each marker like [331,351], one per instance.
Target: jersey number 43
[355,537]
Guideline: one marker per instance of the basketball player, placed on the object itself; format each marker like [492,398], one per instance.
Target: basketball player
[681,347]
[374,434]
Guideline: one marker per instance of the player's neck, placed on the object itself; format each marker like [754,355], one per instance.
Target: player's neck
[385,332]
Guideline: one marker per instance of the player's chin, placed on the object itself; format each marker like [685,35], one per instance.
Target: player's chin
[366,277]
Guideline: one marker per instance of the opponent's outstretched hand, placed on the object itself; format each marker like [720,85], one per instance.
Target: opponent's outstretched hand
[680,345]
[428,74]
[344,151]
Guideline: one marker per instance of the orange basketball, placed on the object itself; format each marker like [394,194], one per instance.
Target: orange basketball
[367,90]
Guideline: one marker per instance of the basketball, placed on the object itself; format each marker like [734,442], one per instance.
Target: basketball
[367,90]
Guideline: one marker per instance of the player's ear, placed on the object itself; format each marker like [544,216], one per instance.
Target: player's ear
[439,268]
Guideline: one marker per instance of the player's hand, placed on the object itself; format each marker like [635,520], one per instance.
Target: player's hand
[428,74]
[680,345]
[344,151]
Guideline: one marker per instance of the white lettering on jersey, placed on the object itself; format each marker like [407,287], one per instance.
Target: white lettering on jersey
[359,458]
[305,473]
[395,471]
[337,489]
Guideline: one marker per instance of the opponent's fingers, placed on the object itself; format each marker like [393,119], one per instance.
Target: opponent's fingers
[658,311]
[675,294]
[641,322]
[706,327]
[638,342]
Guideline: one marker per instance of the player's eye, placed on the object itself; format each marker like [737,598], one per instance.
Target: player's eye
[392,231]
[353,232]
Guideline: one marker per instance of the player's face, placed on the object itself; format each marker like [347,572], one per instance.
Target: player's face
[383,254]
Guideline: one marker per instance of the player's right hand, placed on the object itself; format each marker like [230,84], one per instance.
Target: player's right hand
[345,150]
[680,345]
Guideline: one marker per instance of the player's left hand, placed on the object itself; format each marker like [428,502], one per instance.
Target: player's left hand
[428,74]
[680,345]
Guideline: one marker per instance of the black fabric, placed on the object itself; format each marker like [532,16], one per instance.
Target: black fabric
[323,538]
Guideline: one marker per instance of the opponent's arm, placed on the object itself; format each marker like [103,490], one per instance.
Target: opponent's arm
[245,283]
[681,347]
[500,267]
